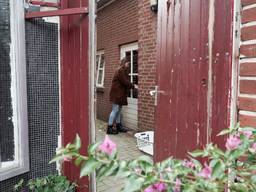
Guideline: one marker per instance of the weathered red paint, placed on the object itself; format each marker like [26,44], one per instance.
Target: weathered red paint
[45,4]
[74,82]
[64,12]
[222,67]
[183,75]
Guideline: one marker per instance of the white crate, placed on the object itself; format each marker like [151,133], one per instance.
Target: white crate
[145,141]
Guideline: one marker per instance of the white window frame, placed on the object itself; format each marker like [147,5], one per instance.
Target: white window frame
[98,68]
[130,47]
[20,164]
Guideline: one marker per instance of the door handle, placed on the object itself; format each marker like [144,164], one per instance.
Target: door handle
[154,93]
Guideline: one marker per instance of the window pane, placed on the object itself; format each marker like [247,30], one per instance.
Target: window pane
[128,56]
[6,109]
[135,93]
[135,61]
[135,79]
[97,61]
[102,61]
[100,77]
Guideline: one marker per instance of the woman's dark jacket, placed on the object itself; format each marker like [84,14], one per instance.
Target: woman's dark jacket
[120,86]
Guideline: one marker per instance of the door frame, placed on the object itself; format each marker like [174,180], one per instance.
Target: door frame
[132,101]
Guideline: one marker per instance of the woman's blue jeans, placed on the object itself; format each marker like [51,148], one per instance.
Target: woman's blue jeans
[115,114]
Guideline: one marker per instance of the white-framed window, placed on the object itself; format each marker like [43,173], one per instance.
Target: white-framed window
[100,67]
[130,51]
[14,153]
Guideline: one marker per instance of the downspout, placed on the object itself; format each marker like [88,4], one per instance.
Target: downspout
[210,83]
[235,62]
[92,53]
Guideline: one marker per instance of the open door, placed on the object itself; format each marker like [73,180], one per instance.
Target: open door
[194,74]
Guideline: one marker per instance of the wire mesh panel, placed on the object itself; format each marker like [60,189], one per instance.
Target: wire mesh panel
[42,55]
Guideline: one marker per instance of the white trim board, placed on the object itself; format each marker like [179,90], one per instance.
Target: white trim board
[18,65]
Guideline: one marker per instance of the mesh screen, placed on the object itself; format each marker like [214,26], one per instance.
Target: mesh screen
[43,99]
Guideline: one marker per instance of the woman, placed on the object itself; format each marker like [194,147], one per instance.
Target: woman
[118,96]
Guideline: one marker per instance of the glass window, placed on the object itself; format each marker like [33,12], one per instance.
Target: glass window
[132,56]
[100,67]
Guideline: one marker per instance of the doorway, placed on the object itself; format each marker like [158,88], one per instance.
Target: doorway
[130,112]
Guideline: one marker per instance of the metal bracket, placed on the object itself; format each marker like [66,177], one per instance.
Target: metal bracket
[44,3]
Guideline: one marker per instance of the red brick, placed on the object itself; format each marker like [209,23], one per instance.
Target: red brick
[247,121]
[248,2]
[147,64]
[247,104]
[117,24]
[248,33]
[248,86]
[248,50]
[248,69]
[249,15]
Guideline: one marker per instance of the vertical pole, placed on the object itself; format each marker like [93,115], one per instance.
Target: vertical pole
[75,109]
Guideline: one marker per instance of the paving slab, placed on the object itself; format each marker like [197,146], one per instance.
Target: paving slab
[126,148]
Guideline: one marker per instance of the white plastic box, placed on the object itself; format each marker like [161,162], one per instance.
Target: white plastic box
[145,141]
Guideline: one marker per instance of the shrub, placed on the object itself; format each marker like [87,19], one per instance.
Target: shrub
[222,170]
[51,183]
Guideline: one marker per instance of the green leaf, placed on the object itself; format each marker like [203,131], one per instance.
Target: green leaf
[19,185]
[60,157]
[146,159]
[89,167]
[236,153]
[224,132]
[218,168]
[79,160]
[92,148]
[101,171]
[196,153]
[112,169]
[77,142]
[133,184]
[253,178]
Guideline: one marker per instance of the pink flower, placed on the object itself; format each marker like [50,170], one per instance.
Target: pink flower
[248,134]
[206,172]
[254,147]
[177,185]
[67,159]
[157,187]
[233,142]
[107,146]
[188,164]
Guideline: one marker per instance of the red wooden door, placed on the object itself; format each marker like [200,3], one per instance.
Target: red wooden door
[193,75]
[75,83]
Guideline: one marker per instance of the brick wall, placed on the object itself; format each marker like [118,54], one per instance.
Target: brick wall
[147,64]
[117,24]
[247,74]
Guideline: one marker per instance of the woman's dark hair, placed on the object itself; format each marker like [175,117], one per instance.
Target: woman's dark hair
[123,61]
